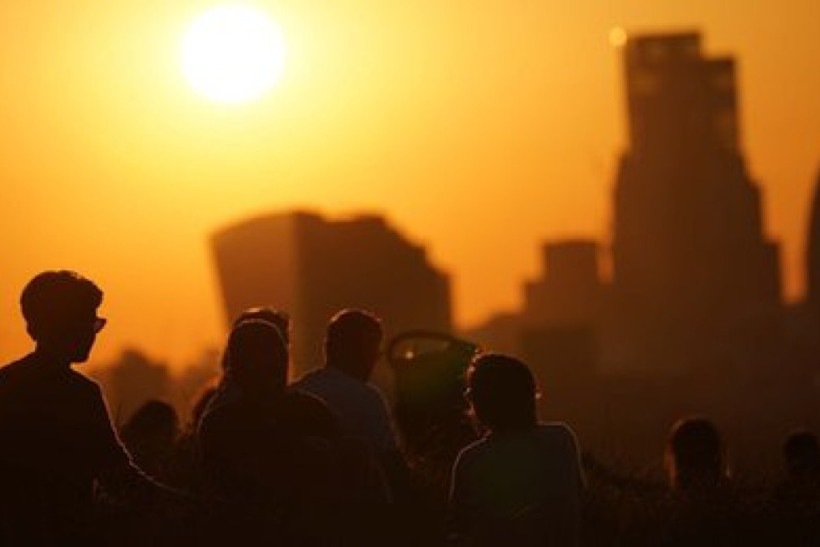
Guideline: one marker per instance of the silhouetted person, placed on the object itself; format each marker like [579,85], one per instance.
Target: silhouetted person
[801,453]
[703,507]
[695,457]
[352,349]
[521,484]
[150,436]
[56,437]
[239,431]
[796,501]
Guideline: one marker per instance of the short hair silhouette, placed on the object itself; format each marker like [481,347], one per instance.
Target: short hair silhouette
[353,342]
[55,301]
[150,435]
[502,392]
[153,418]
[695,454]
[280,319]
[802,453]
[257,356]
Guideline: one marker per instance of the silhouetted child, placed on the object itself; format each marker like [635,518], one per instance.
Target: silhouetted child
[522,483]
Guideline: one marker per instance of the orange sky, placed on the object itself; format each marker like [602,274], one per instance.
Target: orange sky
[481,128]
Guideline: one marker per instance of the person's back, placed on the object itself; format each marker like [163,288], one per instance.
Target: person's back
[352,348]
[241,446]
[358,406]
[519,486]
[522,483]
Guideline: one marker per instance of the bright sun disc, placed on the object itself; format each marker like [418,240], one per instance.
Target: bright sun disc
[232,54]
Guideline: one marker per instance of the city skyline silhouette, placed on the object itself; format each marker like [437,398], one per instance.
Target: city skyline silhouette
[170,173]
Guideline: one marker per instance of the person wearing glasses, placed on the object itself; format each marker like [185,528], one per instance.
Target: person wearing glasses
[58,444]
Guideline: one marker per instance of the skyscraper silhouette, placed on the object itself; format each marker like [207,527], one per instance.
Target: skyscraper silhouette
[813,253]
[689,254]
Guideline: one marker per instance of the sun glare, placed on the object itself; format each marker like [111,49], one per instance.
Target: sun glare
[232,54]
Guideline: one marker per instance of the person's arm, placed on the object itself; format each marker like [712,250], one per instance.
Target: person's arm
[388,452]
[119,480]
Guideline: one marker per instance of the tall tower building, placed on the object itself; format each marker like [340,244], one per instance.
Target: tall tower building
[813,252]
[312,267]
[689,254]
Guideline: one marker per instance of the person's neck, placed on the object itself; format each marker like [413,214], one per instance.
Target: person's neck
[52,357]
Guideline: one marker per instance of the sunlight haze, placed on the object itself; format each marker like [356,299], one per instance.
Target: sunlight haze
[479,129]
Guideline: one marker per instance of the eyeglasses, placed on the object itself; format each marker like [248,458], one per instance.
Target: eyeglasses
[99,324]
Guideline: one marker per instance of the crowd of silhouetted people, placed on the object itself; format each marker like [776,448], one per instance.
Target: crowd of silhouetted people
[321,461]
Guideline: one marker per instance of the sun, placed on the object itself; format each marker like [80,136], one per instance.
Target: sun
[232,53]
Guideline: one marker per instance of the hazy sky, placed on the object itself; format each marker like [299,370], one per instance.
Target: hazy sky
[480,128]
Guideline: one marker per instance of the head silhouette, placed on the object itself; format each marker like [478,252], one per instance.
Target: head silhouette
[257,356]
[501,390]
[802,454]
[155,421]
[60,309]
[695,455]
[353,342]
[278,318]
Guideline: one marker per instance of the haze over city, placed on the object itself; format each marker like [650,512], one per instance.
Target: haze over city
[478,129]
